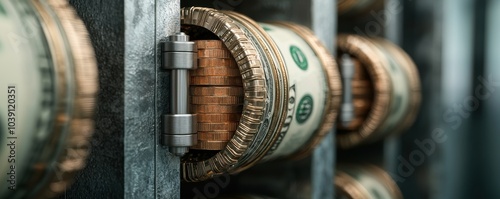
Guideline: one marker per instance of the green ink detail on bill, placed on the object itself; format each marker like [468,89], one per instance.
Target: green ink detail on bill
[266,28]
[298,57]
[2,10]
[305,109]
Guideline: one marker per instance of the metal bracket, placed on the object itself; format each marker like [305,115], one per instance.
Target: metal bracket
[347,109]
[180,127]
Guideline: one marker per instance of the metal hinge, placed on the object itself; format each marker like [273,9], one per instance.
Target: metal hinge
[180,126]
[347,108]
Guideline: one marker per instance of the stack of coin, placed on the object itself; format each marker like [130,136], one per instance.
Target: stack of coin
[354,181]
[386,90]
[362,95]
[216,95]
[292,91]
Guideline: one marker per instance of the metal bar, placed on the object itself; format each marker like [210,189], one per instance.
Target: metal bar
[458,30]
[393,12]
[139,138]
[489,92]
[323,160]
[179,84]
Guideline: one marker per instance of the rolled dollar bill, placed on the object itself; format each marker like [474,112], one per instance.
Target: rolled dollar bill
[49,76]
[392,88]
[365,181]
[291,90]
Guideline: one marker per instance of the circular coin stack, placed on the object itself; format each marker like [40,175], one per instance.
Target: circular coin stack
[291,92]
[365,181]
[386,90]
[216,95]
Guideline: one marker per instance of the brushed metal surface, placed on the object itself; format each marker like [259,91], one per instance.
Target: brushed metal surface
[139,107]
[323,159]
[150,171]
[167,175]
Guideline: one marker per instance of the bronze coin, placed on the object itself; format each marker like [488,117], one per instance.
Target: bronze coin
[210,145]
[228,126]
[227,100]
[212,108]
[216,81]
[215,135]
[216,62]
[217,71]
[214,53]
[210,44]
[216,91]
[219,118]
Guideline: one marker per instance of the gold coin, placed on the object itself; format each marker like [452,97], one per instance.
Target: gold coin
[216,62]
[216,81]
[227,100]
[217,91]
[217,71]
[210,145]
[218,118]
[215,135]
[214,53]
[229,126]
[210,44]
[212,108]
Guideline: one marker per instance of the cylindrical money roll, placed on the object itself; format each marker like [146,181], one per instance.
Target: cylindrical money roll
[49,82]
[291,85]
[393,80]
[365,181]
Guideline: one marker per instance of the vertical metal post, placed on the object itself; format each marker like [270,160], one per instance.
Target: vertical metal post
[393,12]
[139,136]
[492,106]
[324,23]
[458,31]
[150,171]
